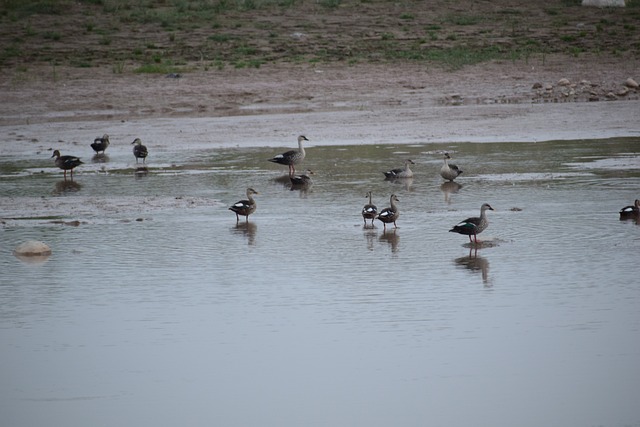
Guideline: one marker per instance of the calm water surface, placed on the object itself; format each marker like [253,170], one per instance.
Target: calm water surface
[156,310]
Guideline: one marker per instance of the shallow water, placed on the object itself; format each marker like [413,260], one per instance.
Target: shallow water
[156,310]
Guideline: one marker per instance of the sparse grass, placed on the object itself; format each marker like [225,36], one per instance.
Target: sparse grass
[330,4]
[118,67]
[52,35]
[460,19]
[220,38]
[248,33]
[157,69]
[454,58]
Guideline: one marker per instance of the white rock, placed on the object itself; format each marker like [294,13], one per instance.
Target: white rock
[603,3]
[631,83]
[564,82]
[623,92]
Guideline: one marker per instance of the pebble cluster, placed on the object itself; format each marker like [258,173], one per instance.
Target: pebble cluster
[565,90]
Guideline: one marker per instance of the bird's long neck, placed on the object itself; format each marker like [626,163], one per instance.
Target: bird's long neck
[300,147]
[483,214]
[393,205]
[369,198]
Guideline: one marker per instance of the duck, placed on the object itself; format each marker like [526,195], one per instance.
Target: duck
[631,211]
[369,211]
[66,162]
[475,225]
[139,151]
[400,172]
[391,214]
[100,144]
[303,180]
[292,157]
[449,172]
[245,207]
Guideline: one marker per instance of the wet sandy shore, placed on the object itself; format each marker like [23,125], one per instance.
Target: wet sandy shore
[332,105]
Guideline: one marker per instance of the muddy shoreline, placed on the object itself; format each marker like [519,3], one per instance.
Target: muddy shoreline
[332,105]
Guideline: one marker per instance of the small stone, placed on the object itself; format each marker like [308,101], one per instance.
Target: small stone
[548,86]
[623,92]
[564,82]
[611,95]
[537,85]
[631,83]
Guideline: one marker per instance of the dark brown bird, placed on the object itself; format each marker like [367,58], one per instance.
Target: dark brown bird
[100,144]
[245,207]
[139,151]
[631,211]
[369,211]
[391,214]
[66,163]
[475,225]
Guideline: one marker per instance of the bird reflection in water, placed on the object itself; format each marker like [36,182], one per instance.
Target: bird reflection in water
[141,171]
[406,183]
[392,239]
[449,188]
[370,236]
[100,158]
[247,229]
[302,183]
[64,187]
[475,263]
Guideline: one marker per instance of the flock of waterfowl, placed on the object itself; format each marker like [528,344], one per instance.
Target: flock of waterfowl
[99,145]
[389,215]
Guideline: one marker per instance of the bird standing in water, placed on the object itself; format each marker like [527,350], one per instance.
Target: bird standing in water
[405,172]
[369,211]
[66,162]
[100,144]
[245,207]
[449,172]
[631,211]
[475,225]
[139,151]
[390,215]
[292,157]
